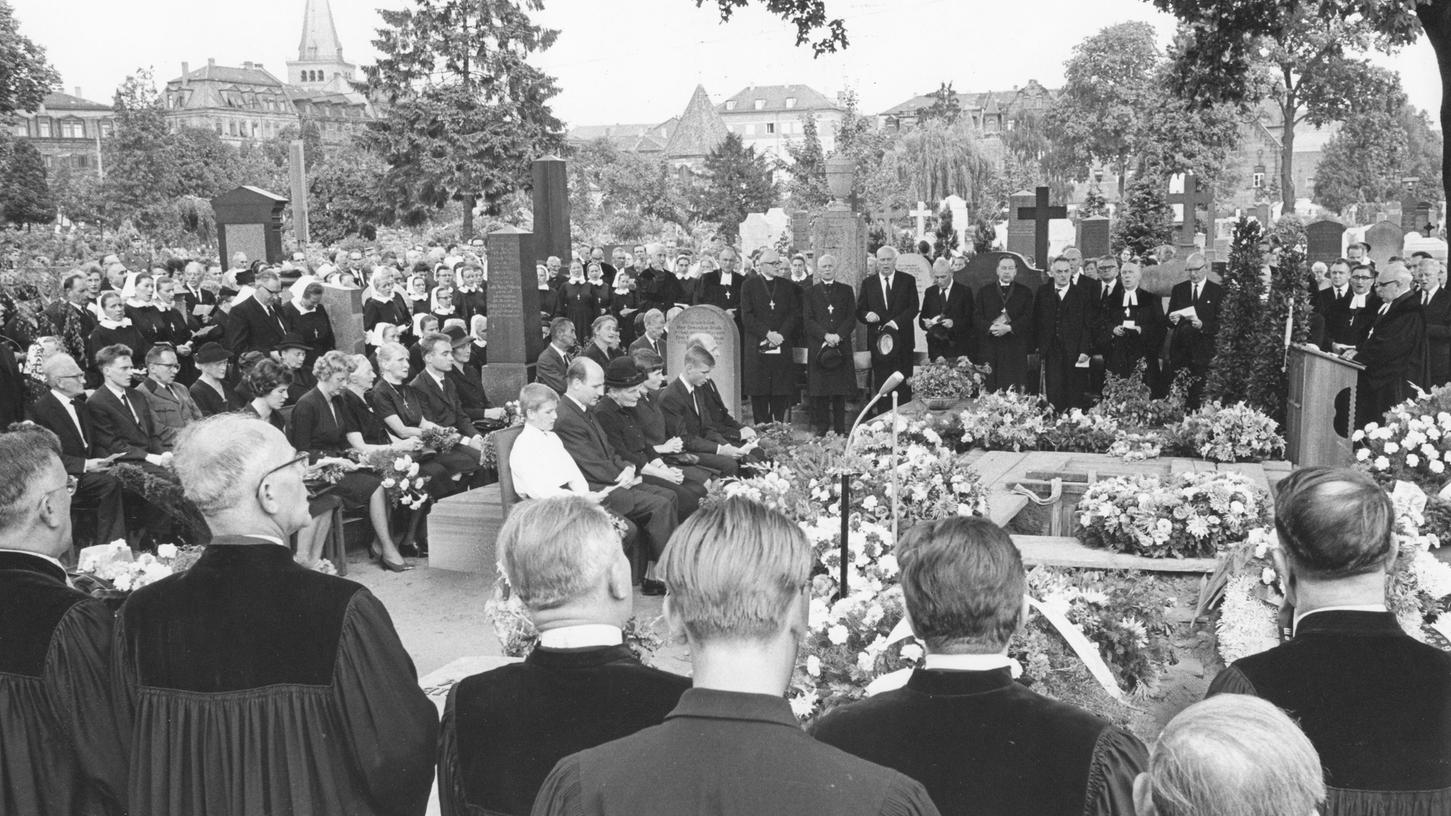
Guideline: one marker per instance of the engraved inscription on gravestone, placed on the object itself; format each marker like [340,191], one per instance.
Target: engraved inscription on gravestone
[1324,240]
[712,321]
[515,338]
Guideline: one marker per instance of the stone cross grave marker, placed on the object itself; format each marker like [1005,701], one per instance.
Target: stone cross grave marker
[1324,241]
[515,338]
[1040,214]
[1386,239]
[1093,236]
[715,322]
[921,214]
[1186,203]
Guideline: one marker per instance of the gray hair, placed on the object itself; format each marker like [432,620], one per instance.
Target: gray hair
[553,551]
[25,453]
[1234,755]
[52,365]
[219,460]
[388,352]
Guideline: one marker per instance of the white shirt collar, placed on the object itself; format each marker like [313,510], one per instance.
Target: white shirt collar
[64,400]
[119,392]
[968,662]
[267,538]
[1299,616]
[582,406]
[42,556]
[689,389]
[582,636]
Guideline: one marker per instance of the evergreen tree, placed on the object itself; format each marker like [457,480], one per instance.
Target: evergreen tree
[807,187]
[1147,221]
[25,197]
[944,240]
[737,181]
[1249,359]
[343,195]
[983,236]
[466,113]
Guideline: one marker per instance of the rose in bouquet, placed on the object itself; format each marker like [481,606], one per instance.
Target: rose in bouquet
[951,380]
[1085,432]
[846,647]
[1413,447]
[112,571]
[402,482]
[1192,515]
[438,439]
[1005,420]
[1234,433]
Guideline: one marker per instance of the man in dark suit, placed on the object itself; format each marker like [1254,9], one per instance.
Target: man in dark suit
[12,387]
[770,315]
[695,412]
[62,748]
[1132,326]
[554,359]
[438,395]
[1327,301]
[69,309]
[946,315]
[191,288]
[1062,337]
[737,574]
[1191,342]
[1435,302]
[965,586]
[62,411]
[1374,701]
[654,336]
[249,672]
[121,417]
[256,324]
[1393,349]
[887,303]
[1350,321]
[580,687]
[1003,320]
[653,509]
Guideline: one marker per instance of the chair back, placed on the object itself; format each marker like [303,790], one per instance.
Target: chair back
[503,446]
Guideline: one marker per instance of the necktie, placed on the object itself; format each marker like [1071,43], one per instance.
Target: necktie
[695,398]
[126,400]
[1339,293]
[77,405]
[1196,294]
[887,288]
[1425,297]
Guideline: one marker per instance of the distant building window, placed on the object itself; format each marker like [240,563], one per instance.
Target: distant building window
[1259,181]
[790,101]
[72,129]
[83,161]
[760,103]
[770,127]
[106,129]
[43,128]
[21,130]
[730,104]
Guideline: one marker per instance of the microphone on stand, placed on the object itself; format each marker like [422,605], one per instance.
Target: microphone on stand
[888,387]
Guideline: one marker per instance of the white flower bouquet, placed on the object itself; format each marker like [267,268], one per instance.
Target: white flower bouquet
[1193,515]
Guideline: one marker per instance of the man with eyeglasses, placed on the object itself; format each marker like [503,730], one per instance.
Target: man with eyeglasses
[256,324]
[268,687]
[1390,350]
[62,411]
[172,407]
[1194,318]
[1348,323]
[61,739]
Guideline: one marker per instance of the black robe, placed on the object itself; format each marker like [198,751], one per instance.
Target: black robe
[557,702]
[983,744]
[62,748]
[1008,354]
[830,309]
[269,688]
[773,305]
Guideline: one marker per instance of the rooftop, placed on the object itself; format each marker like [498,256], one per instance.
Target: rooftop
[774,98]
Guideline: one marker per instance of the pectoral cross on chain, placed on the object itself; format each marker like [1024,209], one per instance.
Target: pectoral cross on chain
[773,305]
[830,308]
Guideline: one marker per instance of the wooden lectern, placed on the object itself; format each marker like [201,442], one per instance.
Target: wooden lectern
[1316,379]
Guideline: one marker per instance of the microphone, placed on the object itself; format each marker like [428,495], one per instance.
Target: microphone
[891,383]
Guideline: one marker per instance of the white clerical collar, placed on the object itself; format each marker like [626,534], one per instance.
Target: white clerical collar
[971,662]
[42,556]
[268,538]
[1357,301]
[582,636]
[1299,616]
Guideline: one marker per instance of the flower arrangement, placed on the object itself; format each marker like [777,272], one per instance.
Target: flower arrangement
[438,439]
[948,381]
[1004,420]
[1132,447]
[110,572]
[1130,401]
[1237,433]
[1194,515]
[1122,613]
[518,637]
[401,481]
[1084,432]
[847,646]
[1413,444]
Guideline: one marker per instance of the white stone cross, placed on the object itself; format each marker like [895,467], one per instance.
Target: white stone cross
[921,214]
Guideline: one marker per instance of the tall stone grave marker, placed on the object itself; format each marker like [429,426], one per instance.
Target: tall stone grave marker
[551,212]
[1324,241]
[1020,230]
[345,312]
[249,219]
[1415,214]
[1094,236]
[1041,214]
[715,322]
[1386,239]
[801,232]
[841,233]
[982,270]
[921,270]
[1187,201]
[957,205]
[515,339]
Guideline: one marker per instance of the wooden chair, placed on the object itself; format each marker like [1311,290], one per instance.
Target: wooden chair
[503,446]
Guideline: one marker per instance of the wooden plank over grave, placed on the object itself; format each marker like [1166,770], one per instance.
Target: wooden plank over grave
[1062,551]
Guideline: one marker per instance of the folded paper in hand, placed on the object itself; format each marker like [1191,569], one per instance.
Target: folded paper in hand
[1186,313]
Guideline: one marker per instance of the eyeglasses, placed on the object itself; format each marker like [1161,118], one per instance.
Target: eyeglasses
[166,365]
[299,459]
[1193,269]
[1379,284]
[276,291]
[69,487]
[1361,277]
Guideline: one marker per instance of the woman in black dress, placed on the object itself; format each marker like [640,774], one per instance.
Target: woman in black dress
[604,344]
[179,327]
[442,305]
[210,392]
[142,311]
[401,412]
[304,315]
[114,328]
[321,426]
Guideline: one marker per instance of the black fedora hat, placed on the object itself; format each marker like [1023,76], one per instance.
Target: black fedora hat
[830,358]
[292,340]
[886,346]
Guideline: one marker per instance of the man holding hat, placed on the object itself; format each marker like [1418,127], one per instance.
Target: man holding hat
[624,389]
[770,313]
[830,316]
[946,314]
[888,303]
[210,392]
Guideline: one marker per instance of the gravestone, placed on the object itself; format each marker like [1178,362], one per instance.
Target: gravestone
[801,232]
[1324,241]
[713,321]
[1041,215]
[982,270]
[1094,236]
[1415,214]
[1435,246]
[1062,234]
[551,209]
[1186,201]
[297,179]
[1386,239]
[345,313]
[515,338]
[920,269]
[1261,213]
[957,205]
[756,233]
[920,216]
[249,220]
[1020,231]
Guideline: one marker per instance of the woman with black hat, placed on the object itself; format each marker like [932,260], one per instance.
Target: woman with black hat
[830,317]
[210,392]
[624,390]
[292,352]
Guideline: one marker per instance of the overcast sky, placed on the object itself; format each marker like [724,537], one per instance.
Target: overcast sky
[637,61]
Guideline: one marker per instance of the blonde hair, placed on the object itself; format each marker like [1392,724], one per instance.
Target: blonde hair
[734,570]
[553,551]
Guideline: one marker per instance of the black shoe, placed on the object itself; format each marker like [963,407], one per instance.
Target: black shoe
[392,567]
[650,587]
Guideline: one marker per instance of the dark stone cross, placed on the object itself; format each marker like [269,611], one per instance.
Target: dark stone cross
[1040,214]
[1195,195]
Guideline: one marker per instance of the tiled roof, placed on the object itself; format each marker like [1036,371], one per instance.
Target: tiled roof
[774,98]
[985,101]
[237,76]
[64,101]
[700,129]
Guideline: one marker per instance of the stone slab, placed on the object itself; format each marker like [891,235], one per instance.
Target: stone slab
[462,530]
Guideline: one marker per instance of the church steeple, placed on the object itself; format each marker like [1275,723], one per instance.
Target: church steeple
[319,64]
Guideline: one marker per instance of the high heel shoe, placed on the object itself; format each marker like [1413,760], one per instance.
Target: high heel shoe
[392,567]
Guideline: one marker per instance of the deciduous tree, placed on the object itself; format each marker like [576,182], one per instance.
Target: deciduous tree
[25,75]
[807,186]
